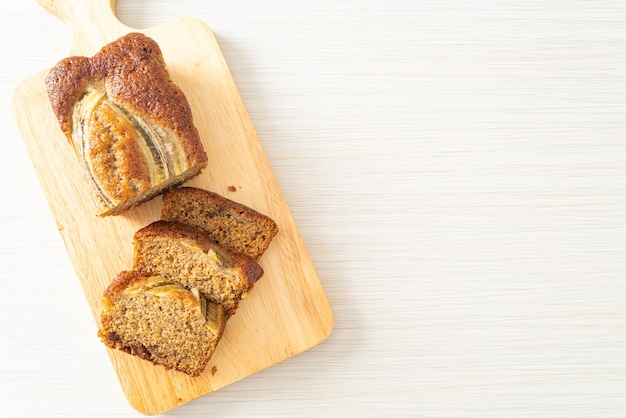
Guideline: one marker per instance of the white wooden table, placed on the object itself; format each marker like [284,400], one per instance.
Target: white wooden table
[457,170]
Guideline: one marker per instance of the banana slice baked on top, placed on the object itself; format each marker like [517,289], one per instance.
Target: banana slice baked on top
[130,125]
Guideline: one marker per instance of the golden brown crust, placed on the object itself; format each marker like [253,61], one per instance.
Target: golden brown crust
[65,83]
[231,224]
[133,72]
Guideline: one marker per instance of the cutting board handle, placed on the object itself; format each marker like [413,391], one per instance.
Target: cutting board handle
[93,22]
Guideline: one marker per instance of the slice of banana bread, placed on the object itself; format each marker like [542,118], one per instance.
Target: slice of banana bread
[230,224]
[130,125]
[185,254]
[160,321]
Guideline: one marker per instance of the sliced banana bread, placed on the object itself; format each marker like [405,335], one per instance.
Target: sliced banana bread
[161,321]
[187,255]
[230,224]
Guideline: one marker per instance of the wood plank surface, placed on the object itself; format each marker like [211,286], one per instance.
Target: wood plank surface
[286,313]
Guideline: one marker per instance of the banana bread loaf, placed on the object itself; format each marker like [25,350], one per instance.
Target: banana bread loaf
[185,254]
[230,224]
[160,321]
[130,125]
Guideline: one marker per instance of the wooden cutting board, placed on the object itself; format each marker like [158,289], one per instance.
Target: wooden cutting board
[286,313]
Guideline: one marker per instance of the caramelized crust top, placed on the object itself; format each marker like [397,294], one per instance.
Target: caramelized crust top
[132,71]
[123,280]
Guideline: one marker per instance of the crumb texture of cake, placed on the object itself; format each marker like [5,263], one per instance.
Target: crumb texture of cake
[230,224]
[187,255]
[160,321]
[130,125]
